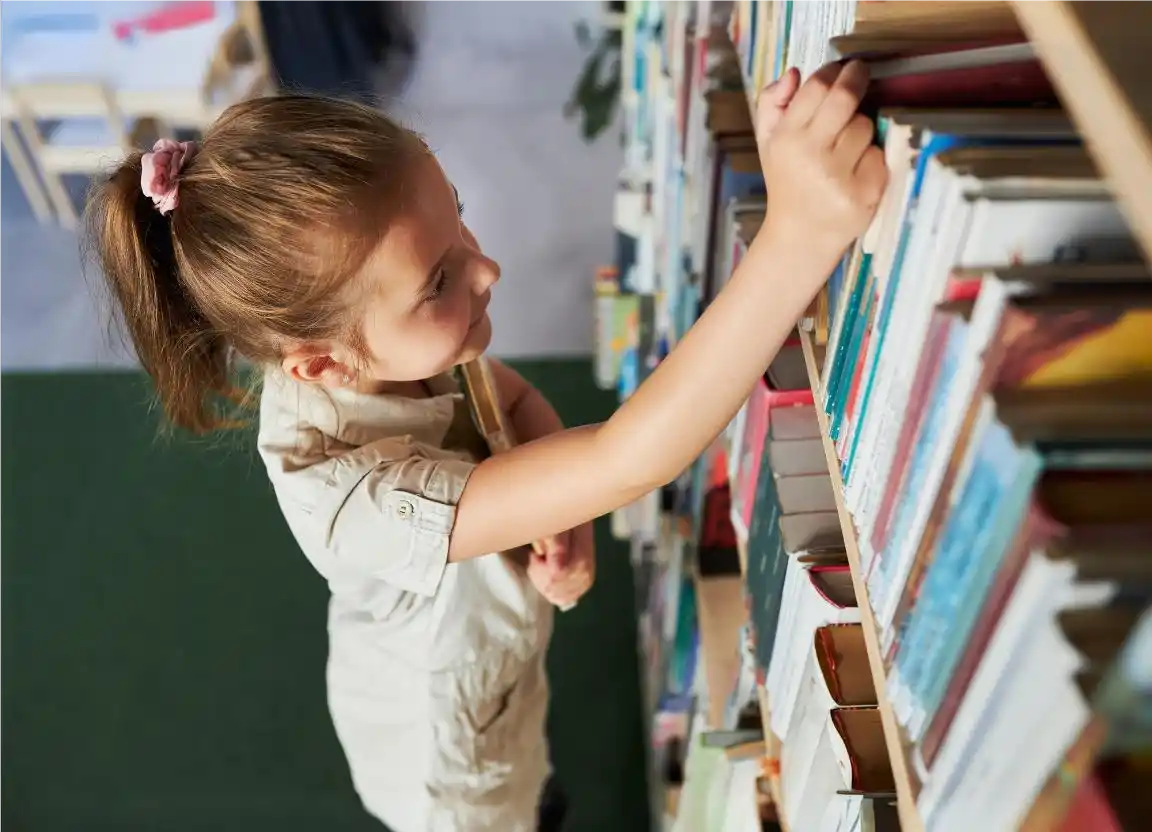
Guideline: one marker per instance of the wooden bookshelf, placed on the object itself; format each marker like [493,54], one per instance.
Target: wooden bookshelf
[1096,54]
[906,788]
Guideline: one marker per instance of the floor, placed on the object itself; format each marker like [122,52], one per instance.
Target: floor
[163,640]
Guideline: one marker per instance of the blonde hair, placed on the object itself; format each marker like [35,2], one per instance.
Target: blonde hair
[278,210]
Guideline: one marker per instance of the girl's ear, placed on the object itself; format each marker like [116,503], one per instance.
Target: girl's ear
[316,364]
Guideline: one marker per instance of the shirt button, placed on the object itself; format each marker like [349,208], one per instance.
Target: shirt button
[405,509]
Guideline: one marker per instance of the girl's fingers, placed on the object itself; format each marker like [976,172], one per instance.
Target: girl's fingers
[811,94]
[872,175]
[853,141]
[553,549]
[841,103]
[774,100]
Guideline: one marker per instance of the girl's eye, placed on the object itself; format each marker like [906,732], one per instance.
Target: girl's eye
[438,288]
[459,207]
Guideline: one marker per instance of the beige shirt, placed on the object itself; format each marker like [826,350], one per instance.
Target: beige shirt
[436,680]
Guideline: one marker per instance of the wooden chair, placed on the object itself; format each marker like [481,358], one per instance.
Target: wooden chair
[74,127]
[22,165]
[241,68]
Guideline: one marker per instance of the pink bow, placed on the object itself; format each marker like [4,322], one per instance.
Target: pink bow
[160,172]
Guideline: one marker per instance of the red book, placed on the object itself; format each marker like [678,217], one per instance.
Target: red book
[1015,84]
[1090,810]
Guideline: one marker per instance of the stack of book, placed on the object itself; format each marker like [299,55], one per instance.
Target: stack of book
[938,487]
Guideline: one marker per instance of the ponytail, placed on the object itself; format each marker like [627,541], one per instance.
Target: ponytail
[186,358]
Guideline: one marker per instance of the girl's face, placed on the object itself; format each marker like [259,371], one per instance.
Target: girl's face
[426,288]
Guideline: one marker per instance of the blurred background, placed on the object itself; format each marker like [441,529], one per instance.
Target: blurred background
[163,637]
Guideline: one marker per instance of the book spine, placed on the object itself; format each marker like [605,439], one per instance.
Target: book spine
[933,243]
[975,486]
[927,372]
[889,571]
[969,566]
[941,456]
[1042,584]
[1033,535]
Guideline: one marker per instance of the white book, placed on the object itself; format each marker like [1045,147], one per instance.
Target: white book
[798,753]
[797,457]
[930,204]
[735,435]
[741,810]
[1039,582]
[843,813]
[1010,700]
[931,251]
[823,776]
[1042,711]
[811,611]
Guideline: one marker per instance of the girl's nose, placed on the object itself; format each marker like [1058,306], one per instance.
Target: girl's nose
[485,274]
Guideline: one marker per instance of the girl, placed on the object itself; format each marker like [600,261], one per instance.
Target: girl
[323,242]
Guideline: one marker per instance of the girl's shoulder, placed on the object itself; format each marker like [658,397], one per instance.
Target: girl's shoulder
[322,421]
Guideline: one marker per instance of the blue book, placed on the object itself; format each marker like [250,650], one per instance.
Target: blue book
[851,313]
[972,562]
[975,495]
[933,144]
[851,354]
[767,564]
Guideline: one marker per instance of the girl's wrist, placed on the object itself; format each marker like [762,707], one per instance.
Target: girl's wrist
[807,255]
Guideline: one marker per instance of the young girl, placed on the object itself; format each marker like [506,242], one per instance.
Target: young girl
[321,241]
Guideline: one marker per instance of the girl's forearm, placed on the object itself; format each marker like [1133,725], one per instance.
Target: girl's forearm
[569,478]
[697,389]
[825,178]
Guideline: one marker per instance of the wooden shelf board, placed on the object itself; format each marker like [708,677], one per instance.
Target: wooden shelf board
[901,769]
[1097,57]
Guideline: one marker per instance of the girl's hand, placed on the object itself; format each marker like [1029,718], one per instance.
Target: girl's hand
[562,567]
[823,174]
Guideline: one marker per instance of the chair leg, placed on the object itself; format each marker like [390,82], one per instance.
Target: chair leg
[25,172]
[65,209]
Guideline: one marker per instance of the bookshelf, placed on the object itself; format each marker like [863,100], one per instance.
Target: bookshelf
[1097,55]
[911,571]
[901,770]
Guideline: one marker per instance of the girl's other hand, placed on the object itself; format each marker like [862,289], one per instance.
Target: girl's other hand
[823,174]
[563,567]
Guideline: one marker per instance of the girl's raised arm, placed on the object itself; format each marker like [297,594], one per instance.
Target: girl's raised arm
[824,181]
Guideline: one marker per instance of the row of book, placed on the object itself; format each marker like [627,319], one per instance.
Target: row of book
[985,382]
[808,651]
[987,377]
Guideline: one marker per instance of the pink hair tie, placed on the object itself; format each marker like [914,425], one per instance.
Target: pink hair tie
[160,172]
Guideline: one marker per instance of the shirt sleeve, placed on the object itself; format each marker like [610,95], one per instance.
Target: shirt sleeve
[382,511]
[396,521]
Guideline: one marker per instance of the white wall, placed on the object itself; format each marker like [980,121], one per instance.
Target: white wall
[488,91]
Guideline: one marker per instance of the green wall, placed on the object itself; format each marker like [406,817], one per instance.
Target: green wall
[164,639]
